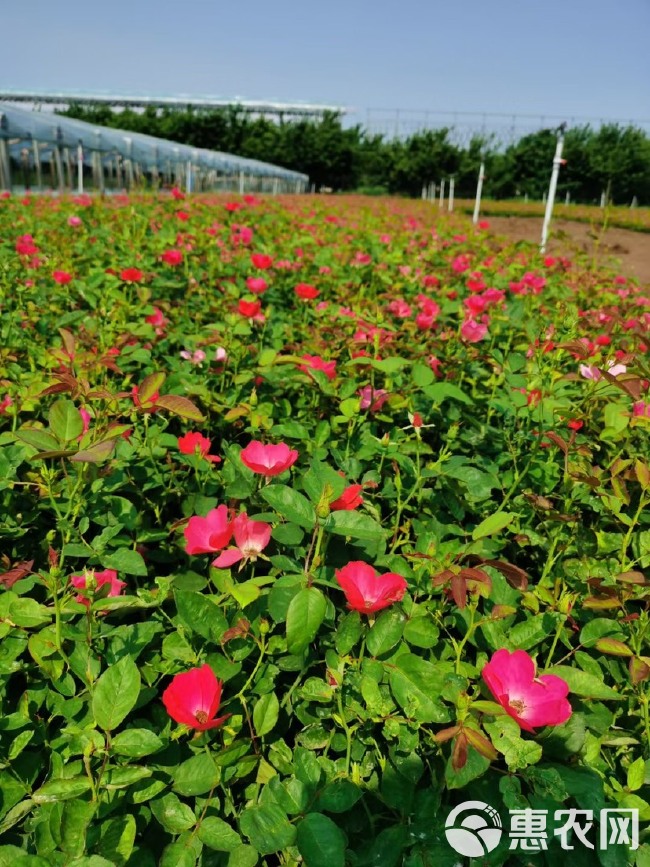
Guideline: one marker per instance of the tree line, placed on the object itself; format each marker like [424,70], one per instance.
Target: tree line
[612,160]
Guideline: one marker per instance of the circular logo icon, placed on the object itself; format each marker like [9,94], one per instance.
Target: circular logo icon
[473,829]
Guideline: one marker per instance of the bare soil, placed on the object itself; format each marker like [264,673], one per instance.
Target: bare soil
[627,251]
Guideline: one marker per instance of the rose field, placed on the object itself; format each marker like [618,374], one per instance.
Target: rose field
[319,516]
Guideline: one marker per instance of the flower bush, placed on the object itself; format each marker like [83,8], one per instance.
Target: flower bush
[286,578]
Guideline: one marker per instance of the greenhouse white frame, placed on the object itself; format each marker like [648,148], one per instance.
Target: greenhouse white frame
[74,155]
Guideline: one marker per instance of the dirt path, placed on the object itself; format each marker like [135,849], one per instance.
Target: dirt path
[627,251]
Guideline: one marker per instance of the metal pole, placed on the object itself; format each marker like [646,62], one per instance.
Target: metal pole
[80,168]
[188,177]
[5,169]
[442,193]
[451,194]
[68,166]
[37,165]
[479,191]
[58,162]
[557,162]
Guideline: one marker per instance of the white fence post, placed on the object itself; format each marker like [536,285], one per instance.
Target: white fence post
[80,168]
[479,191]
[442,193]
[451,195]
[557,162]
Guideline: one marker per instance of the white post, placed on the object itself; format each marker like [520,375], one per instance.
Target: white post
[567,200]
[424,191]
[80,168]
[37,165]
[241,183]
[634,202]
[442,193]
[525,198]
[188,177]
[451,195]
[603,199]
[479,190]
[5,166]
[557,162]
[544,197]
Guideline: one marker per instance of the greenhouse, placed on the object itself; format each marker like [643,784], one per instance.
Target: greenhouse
[41,151]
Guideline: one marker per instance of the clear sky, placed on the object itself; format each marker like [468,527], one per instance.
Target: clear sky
[544,57]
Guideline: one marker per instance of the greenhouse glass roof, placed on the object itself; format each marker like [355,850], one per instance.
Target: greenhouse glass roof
[23,129]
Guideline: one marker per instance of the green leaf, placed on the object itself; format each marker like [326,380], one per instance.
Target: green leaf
[196,776]
[245,593]
[125,560]
[422,375]
[200,614]
[492,524]
[532,631]
[181,406]
[319,475]
[61,790]
[38,439]
[416,685]
[150,385]
[95,454]
[421,632]
[304,617]
[268,828]
[22,611]
[599,627]
[265,713]
[172,813]
[116,838]
[354,525]
[636,774]
[123,777]
[505,734]
[136,743]
[581,683]
[348,633]
[441,391]
[291,505]
[218,835]
[116,693]
[475,766]
[65,422]
[243,856]
[339,796]
[386,631]
[320,842]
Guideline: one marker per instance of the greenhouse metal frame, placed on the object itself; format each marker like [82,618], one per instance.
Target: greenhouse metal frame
[41,151]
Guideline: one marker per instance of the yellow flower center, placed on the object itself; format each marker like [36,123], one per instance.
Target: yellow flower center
[201,716]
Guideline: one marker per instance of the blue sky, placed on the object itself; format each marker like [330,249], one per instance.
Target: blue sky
[543,57]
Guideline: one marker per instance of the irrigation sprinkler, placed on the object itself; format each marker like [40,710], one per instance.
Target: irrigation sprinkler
[479,190]
[450,207]
[557,162]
